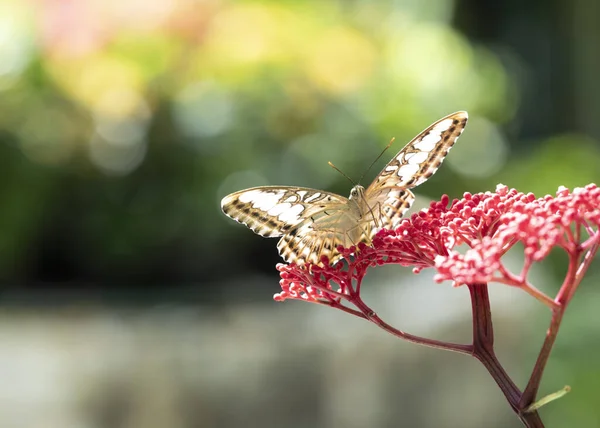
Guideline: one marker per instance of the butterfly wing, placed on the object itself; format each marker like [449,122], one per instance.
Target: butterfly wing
[388,208]
[388,195]
[309,242]
[312,223]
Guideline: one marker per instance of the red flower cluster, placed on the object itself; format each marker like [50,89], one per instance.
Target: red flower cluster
[538,224]
[488,223]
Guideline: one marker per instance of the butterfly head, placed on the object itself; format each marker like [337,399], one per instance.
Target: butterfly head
[357,192]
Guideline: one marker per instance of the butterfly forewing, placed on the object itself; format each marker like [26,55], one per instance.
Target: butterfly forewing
[313,223]
[422,157]
[413,165]
[274,211]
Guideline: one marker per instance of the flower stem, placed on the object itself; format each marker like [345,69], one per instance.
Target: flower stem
[375,319]
[483,350]
[572,280]
[533,385]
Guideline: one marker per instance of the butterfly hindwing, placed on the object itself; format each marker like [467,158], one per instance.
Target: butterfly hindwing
[306,244]
[389,208]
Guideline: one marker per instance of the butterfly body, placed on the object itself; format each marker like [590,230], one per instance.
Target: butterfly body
[314,223]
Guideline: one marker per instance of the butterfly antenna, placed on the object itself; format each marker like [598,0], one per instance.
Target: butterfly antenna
[377,158]
[340,171]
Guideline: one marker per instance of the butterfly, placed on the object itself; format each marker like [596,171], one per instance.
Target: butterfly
[314,223]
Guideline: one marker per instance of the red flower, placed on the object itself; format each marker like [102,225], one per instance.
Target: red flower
[569,221]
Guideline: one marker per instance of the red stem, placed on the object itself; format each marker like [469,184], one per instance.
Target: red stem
[570,284]
[533,385]
[375,319]
[483,350]
[368,313]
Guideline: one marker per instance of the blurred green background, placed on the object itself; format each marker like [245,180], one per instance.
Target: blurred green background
[129,300]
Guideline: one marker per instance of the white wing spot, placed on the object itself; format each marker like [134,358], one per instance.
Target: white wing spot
[408,170]
[414,158]
[249,195]
[260,199]
[279,209]
[430,140]
[391,168]
[312,197]
[428,143]
[291,215]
